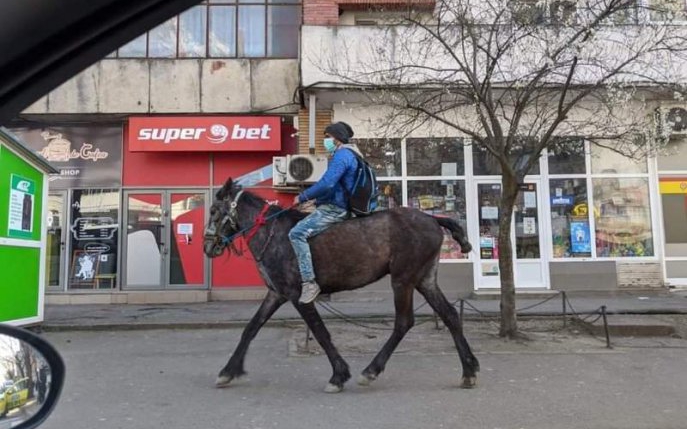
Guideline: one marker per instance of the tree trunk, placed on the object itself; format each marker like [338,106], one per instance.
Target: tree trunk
[27,353]
[509,323]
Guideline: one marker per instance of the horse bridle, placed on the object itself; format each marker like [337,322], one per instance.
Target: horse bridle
[230,216]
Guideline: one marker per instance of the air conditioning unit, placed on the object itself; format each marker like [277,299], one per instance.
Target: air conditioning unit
[278,171]
[675,119]
[302,169]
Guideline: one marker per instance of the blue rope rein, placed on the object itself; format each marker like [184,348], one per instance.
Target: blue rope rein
[228,239]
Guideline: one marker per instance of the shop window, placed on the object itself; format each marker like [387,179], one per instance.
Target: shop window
[390,194]
[223,29]
[608,161]
[566,156]
[485,164]
[384,155]
[623,217]
[93,238]
[435,157]
[675,223]
[571,235]
[441,198]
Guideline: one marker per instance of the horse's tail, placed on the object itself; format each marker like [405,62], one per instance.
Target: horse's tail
[457,232]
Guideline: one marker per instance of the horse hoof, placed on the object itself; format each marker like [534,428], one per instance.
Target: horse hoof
[365,380]
[469,383]
[332,388]
[223,381]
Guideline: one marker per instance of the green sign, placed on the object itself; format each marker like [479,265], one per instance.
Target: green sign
[22,199]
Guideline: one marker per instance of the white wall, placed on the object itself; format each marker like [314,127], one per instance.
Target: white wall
[348,54]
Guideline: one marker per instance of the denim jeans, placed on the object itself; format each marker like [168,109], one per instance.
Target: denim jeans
[322,218]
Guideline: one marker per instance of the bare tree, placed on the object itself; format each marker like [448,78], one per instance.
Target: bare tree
[9,350]
[18,360]
[517,77]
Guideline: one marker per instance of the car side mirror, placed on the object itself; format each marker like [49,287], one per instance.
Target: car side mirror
[32,372]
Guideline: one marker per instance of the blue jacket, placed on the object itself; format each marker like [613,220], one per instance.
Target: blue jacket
[328,190]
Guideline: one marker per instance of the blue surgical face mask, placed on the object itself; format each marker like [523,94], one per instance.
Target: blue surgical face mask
[329,144]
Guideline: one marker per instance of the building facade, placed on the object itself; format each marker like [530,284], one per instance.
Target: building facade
[144,138]
[586,217]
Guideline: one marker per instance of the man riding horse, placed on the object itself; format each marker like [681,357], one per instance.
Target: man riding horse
[402,243]
[330,200]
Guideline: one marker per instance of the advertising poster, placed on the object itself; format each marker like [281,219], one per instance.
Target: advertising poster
[580,239]
[490,269]
[22,198]
[530,199]
[489,212]
[84,268]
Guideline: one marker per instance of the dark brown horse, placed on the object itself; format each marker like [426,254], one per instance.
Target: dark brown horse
[402,242]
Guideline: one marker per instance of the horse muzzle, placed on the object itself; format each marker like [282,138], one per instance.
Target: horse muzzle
[213,247]
[465,246]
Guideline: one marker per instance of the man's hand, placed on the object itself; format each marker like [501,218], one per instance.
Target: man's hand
[295,200]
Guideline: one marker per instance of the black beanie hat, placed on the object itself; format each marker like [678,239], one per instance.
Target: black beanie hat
[340,131]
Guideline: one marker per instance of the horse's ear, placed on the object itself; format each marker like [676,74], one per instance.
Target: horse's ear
[224,191]
[232,187]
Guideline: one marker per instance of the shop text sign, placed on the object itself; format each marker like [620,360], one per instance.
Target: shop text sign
[204,133]
[84,156]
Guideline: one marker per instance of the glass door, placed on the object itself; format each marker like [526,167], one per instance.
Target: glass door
[529,268]
[164,240]
[56,239]
[674,205]
[144,245]
[488,199]
[187,263]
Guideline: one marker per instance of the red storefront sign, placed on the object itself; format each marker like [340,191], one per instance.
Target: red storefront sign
[204,133]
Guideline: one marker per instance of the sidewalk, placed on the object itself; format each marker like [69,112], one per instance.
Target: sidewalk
[354,305]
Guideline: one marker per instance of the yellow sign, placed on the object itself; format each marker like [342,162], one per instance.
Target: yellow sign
[581,210]
[673,186]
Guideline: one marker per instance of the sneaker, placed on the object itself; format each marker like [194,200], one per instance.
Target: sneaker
[309,292]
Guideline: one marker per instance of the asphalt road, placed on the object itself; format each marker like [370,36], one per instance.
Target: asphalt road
[10,422]
[164,379]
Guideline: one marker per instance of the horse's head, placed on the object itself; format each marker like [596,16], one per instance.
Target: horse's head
[222,219]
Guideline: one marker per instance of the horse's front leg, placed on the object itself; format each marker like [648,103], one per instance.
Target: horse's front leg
[341,372]
[234,368]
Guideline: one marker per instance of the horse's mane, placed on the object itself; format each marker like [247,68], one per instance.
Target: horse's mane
[292,214]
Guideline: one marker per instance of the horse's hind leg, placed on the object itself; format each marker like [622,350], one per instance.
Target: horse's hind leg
[405,319]
[234,368]
[437,300]
[341,372]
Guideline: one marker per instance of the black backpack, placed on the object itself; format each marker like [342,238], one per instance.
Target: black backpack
[362,199]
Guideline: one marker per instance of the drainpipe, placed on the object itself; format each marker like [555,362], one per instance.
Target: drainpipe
[312,110]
